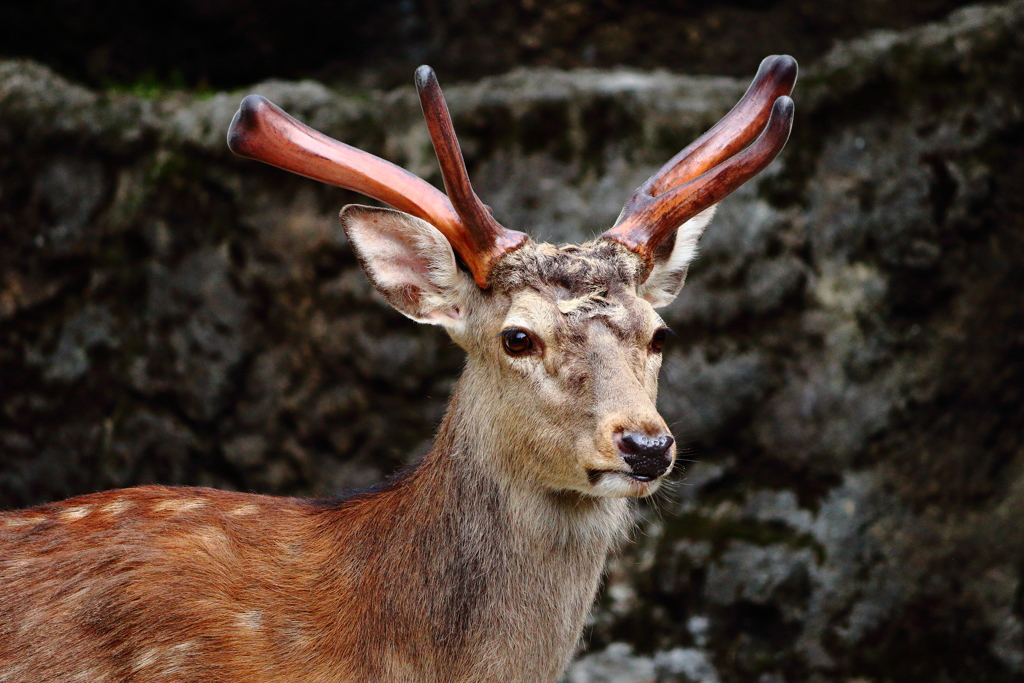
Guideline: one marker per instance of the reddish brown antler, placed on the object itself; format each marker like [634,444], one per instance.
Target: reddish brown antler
[712,166]
[262,131]
[489,239]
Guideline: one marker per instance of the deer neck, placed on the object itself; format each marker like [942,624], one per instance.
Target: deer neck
[494,577]
[476,456]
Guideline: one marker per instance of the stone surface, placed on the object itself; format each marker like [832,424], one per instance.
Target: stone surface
[847,381]
[618,664]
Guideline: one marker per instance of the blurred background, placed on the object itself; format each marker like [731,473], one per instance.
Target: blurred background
[233,43]
[847,376]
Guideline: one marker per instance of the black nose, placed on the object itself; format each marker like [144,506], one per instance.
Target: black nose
[647,456]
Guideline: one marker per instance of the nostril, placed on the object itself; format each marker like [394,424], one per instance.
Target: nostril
[649,446]
[647,456]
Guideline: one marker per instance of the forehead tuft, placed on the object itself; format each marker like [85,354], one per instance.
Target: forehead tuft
[594,281]
[577,271]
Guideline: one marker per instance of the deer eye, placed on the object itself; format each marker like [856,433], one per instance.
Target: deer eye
[658,340]
[517,342]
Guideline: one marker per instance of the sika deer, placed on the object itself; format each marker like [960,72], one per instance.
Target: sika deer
[479,562]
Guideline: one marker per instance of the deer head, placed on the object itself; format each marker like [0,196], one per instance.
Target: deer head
[563,342]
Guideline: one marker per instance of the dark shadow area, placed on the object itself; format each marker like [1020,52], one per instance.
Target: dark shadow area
[232,43]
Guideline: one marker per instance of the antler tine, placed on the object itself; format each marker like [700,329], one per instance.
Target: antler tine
[712,166]
[486,240]
[775,77]
[262,131]
[643,229]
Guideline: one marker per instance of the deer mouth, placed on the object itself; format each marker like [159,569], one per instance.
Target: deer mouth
[622,484]
[594,476]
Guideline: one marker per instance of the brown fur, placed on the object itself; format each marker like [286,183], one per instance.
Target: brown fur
[479,563]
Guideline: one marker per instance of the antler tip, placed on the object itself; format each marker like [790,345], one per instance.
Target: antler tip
[783,108]
[788,60]
[715,164]
[245,123]
[784,69]
[425,76]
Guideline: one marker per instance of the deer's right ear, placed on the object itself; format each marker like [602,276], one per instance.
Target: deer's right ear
[408,261]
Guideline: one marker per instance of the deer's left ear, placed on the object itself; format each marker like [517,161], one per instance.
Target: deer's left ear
[408,261]
[672,260]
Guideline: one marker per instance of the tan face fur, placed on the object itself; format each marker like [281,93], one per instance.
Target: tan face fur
[551,411]
[589,374]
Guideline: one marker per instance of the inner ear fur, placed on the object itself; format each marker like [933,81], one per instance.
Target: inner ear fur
[672,260]
[408,261]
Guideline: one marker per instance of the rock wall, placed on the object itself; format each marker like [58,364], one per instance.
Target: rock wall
[848,377]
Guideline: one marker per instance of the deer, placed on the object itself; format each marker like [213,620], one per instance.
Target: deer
[478,562]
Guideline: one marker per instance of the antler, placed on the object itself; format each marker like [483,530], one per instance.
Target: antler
[712,166]
[490,239]
[262,131]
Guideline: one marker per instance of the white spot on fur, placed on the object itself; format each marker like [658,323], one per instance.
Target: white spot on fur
[147,659]
[247,509]
[18,522]
[117,507]
[12,672]
[36,620]
[179,505]
[175,658]
[250,621]
[92,675]
[209,535]
[79,595]
[75,512]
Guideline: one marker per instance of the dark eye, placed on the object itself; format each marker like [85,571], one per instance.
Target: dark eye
[517,342]
[658,340]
